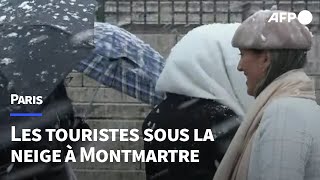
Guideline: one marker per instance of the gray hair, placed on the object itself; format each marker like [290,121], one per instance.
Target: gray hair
[282,61]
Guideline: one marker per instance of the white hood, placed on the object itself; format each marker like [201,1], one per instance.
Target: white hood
[203,64]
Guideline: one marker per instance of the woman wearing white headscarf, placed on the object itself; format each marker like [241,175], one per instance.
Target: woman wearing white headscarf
[204,90]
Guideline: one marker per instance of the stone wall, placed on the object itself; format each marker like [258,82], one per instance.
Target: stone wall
[109,109]
[195,11]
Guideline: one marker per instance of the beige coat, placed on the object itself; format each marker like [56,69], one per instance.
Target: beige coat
[286,145]
[242,154]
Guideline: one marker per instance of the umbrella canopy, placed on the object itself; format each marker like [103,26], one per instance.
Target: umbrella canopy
[34,59]
[122,61]
[70,15]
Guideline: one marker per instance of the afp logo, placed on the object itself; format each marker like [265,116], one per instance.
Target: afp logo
[304,17]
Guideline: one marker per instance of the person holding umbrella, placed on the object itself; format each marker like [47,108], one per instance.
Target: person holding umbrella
[124,62]
[51,115]
[35,66]
[204,91]
[280,137]
[38,49]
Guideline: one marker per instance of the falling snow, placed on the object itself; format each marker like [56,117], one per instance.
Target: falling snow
[188,103]
[10,85]
[263,37]
[66,18]
[17,73]
[153,126]
[42,79]
[61,27]
[44,72]
[13,34]
[8,9]
[6,61]
[25,6]
[2,18]
[38,39]
[28,34]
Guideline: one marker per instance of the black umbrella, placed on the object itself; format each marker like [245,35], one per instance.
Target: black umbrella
[70,15]
[36,52]
[34,59]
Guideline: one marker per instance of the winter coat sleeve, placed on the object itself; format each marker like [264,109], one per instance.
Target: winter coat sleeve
[281,144]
